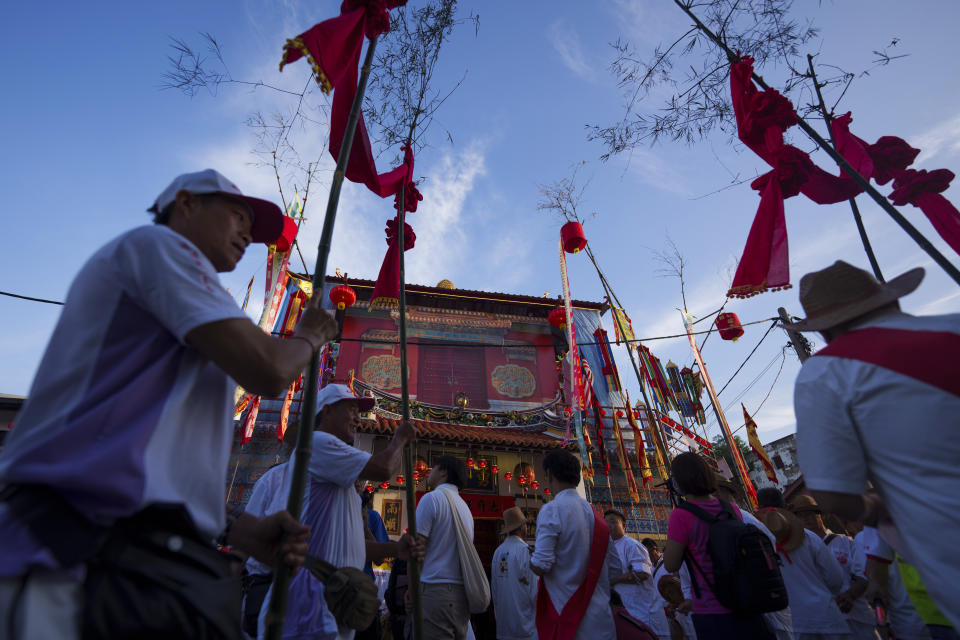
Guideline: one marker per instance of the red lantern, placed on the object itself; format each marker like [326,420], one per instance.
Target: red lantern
[522,480]
[728,324]
[343,296]
[571,235]
[368,489]
[483,464]
[568,411]
[399,479]
[421,467]
[508,476]
[494,469]
[285,241]
[416,476]
[384,485]
[619,414]
[558,317]
[546,491]
[470,462]
[535,484]
[603,412]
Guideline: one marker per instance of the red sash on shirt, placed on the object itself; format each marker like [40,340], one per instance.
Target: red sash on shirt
[563,626]
[927,356]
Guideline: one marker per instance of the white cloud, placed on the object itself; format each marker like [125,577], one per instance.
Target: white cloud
[567,43]
[945,304]
[943,137]
[442,247]
[654,170]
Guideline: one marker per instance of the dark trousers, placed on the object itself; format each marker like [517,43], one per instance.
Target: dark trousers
[727,626]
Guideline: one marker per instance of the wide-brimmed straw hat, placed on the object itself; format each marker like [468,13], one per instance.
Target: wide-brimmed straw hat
[842,292]
[513,519]
[803,502]
[785,527]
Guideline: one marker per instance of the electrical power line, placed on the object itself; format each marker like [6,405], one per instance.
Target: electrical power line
[16,295]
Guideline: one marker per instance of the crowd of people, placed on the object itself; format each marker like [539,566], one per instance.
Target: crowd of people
[114,495]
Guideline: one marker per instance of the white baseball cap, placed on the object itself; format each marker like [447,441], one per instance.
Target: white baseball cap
[267,217]
[333,393]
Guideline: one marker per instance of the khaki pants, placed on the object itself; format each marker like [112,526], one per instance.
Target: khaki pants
[445,611]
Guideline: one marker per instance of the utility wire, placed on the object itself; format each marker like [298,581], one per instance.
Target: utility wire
[16,295]
[769,329]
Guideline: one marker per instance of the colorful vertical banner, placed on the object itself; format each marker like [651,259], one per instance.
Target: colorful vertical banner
[250,421]
[586,462]
[624,459]
[285,412]
[757,447]
[645,473]
[246,298]
[622,327]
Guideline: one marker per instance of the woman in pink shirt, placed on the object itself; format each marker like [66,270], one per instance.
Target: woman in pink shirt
[688,534]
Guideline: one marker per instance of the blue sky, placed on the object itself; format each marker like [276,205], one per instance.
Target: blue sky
[90,139]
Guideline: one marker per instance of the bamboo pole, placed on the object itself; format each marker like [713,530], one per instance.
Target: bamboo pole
[413,569]
[828,119]
[738,461]
[864,184]
[281,578]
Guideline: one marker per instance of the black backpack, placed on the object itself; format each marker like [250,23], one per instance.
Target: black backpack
[746,569]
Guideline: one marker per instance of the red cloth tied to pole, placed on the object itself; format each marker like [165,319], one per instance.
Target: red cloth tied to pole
[333,50]
[386,291]
[762,117]
[387,288]
[888,159]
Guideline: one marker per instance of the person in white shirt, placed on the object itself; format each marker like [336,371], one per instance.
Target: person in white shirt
[862,621]
[446,612]
[131,413]
[259,575]
[812,575]
[513,584]
[571,538]
[680,613]
[879,404]
[331,506]
[883,570]
[635,585]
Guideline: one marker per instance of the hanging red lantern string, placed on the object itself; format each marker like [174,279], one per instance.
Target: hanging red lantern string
[384,485]
[399,479]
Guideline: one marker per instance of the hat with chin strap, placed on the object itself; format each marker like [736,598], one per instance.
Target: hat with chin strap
[267,222]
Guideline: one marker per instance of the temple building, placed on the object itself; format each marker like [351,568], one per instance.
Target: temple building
[484,384]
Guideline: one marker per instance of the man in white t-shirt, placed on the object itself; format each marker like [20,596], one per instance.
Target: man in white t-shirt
[131,408]
[852,604]
[886,583]
[570,540]
[812,575]
[513,585]
[332,509]
[879,404]
[446,613]
[635,585]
